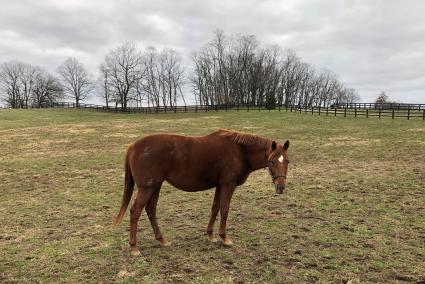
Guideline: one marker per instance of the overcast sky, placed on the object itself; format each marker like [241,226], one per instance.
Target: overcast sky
[372,45]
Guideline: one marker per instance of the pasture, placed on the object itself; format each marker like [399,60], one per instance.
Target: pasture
[353,210]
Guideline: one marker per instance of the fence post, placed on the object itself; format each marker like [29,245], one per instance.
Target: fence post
[355,112]
[408,112]
[312,110]
[185,109]
[279,107]
[335,111]
[423,114]
[392,115]
[367,113]
[379,113]
[345,112]
[319,109]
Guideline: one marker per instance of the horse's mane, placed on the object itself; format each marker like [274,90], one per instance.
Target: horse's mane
[244,139]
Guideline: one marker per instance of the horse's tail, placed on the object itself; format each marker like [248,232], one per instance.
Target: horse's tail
[128,188]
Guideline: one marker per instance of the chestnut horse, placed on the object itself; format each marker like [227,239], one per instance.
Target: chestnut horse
[222,159]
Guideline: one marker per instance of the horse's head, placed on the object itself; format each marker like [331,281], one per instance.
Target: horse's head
[278,165]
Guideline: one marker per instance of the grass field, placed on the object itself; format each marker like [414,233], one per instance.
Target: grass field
[353,210]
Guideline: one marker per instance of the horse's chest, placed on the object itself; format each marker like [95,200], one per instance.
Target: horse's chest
[234,172]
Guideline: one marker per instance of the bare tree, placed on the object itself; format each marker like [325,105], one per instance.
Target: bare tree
[28,76]
[382,98]
[10,79]
[105,84]
[124,68]
[351,96]
[151,82]
[46,89]
[76,81]
[171,77]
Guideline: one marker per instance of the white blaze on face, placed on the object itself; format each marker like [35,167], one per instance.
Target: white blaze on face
[280,159]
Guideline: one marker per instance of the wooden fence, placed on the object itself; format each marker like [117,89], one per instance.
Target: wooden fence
[366,110]
[386,106]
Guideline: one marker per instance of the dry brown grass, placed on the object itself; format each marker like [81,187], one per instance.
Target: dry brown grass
[353,211]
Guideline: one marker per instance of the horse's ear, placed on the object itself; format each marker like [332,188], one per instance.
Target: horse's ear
[274,145]
[286,145]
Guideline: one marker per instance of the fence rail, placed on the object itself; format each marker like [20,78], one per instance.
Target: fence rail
[407,111]
[383,106]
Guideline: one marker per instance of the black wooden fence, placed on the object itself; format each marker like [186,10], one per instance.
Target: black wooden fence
[386,106]
[407,111]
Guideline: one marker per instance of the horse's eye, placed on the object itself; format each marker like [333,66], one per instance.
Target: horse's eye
[272,162]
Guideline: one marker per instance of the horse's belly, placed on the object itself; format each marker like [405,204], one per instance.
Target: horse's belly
[190,186]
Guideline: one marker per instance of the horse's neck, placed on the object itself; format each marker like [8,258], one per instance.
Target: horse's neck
[257,157]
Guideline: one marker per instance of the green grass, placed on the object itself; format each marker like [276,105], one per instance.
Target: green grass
[354,208]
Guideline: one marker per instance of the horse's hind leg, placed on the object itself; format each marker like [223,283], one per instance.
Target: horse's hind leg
[143,197]
[151,210]
[214,211]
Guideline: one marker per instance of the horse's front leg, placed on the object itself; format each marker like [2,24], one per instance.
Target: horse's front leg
[214,211]
[225,197]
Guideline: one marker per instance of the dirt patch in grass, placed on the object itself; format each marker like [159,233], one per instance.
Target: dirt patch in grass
[417,129]
[350,141]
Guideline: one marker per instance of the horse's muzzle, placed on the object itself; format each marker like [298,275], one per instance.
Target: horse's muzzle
[279,188]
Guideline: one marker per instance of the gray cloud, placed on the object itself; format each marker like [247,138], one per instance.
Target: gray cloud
[373,46]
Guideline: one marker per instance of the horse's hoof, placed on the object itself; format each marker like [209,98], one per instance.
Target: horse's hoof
[227,242]
[212,239]
[135,251]
[165,243]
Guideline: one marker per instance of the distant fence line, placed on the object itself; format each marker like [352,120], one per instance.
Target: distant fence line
[383,106]
[366,110]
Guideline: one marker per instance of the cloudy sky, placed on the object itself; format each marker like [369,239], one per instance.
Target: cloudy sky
[373,46]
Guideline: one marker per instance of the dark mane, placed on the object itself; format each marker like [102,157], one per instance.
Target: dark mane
[244,139]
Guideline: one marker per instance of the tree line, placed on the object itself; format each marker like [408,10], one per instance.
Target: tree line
[226,70]
[237,70]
